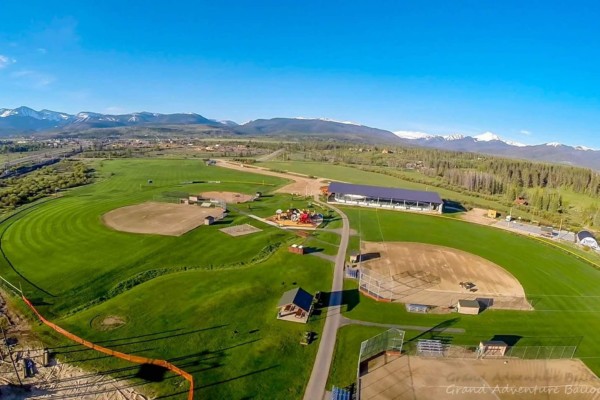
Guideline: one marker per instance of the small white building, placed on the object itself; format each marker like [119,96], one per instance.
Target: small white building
[585,238]
[468,307]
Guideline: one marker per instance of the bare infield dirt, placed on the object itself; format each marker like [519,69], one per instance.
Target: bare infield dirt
[420,378]
[159,218]
[228,197]
[428,274]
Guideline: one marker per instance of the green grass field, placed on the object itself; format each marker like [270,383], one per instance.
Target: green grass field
[563,289]
[204,300]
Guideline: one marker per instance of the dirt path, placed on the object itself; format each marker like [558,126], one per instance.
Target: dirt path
[301,184]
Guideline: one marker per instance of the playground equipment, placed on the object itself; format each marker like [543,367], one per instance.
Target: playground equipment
[301,217]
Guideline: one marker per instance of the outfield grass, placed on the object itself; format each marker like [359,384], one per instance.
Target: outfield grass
[204,300]
[218,325]
[562,288]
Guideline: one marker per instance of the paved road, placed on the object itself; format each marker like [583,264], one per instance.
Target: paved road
[315,389]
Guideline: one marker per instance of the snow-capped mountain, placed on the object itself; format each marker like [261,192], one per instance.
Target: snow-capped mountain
[413,135]
[329,120]
[24,120]
[486,137]
[491,143]
[39,115]
[27,120]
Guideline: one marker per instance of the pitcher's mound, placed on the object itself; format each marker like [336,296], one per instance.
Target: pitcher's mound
[159,218]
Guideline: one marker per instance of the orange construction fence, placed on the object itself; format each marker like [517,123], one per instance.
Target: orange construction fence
[118,354]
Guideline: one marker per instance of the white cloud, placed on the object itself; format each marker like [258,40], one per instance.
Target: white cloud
[5,61]
[34,79]
[41,50]
[524,132]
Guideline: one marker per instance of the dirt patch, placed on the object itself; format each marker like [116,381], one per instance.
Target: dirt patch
[108,323]
[478,216]
[418,378]
[159,218]
[240,230]
[228,197]
[427,274]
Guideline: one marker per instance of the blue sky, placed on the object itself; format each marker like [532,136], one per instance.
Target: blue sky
[527,71]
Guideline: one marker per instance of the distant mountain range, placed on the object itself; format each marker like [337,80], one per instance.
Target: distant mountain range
[26,121]
[489,143]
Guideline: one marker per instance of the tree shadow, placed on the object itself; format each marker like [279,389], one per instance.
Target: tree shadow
[433,333]
[258,371]
[111,343]
[348,298]
[312,249]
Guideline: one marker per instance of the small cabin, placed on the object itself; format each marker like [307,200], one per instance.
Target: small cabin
[209,220]
[470,307]
[295,305]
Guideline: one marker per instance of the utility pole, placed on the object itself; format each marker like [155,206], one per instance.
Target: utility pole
[560,228]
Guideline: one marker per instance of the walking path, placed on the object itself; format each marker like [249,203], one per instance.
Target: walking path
[315,389]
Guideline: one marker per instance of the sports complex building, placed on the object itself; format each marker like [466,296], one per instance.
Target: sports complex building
[384,197]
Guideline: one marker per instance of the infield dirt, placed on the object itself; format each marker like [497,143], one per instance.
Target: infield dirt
[428,274]
[159,218]
[419,378]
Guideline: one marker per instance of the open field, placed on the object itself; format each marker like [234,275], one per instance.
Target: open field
[159,218]
[427,274]
[159,294]
[411,378]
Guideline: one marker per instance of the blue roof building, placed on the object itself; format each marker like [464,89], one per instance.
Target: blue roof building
[384,197]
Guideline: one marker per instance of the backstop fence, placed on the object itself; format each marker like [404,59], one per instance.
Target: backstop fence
[388,343]
[427,349]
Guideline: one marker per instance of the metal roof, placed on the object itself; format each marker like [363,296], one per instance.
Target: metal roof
[468,303]
[298,297]
[385,192]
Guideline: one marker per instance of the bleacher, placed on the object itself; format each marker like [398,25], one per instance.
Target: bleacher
[340,394]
